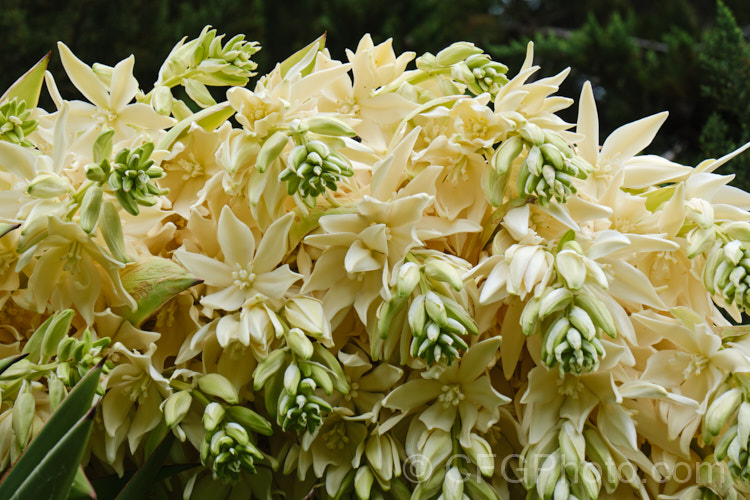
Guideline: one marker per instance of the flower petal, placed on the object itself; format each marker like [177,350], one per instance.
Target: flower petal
[124,85]
[211,271]
[273,247]
[235,239]
[83,77]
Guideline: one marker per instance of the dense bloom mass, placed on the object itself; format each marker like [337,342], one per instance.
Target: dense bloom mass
[380,281]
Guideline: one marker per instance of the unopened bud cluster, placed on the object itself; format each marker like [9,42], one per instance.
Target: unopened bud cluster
[227,447]
[130,177]
[312,166]
[571,325]
[15,124]
[549,168]
[78,356]
[726,273]
[437,322]
[299,408]
[731,408]
[203,62]
[468,65]
[558,468]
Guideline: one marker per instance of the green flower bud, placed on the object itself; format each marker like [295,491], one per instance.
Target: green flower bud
[213,416]
[312,170]
[176,406]
[300,344]
[435,308]
[572,448]
[161,100]
[549,473]
[15,124]
[131,176]
[506,154]
[456,52]
[271,149]
[363,481]
[267,368]
[90,207]
[57,391]
[292,378]
[571,267]
[720,410]
[48,186]
[24,408]
[218,386]
[532,134]
[481,454]
[329,126]
[440,270]
[407,280]
[56,331]
[453,485]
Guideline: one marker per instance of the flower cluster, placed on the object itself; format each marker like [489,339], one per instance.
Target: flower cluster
[383,282]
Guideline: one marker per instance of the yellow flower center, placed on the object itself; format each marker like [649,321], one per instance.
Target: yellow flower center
[104,116]
[450,395]
[191,169]
[569,386]
[7,259]
[353,390]
[336,438]
[137,389]
[348,106]
[696,365]
[243,278]
[624,225]
[72,259]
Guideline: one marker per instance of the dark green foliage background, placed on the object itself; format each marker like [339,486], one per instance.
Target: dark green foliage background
[690,58]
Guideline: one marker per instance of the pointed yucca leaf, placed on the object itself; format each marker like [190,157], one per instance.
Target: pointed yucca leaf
[52,477]
[6,227]
[146,476]
[68,414]
[81,488]
[151,282]
[303,59]
[28,87]
[10,361]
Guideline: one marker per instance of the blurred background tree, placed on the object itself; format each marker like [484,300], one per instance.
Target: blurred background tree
[689,57]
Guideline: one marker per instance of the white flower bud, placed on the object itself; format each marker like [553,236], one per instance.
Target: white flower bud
[23,415]
[453,485]
[299,343]
[700,211]
[407,280]
[307,314]
[212,416]
[48,186]
[161,100]
[175,407]
[481,454]
[219,386]
[363,480]
[572,268]
[440,270]
[456,52]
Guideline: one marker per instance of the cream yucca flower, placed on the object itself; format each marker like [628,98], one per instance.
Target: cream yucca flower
[389,282]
